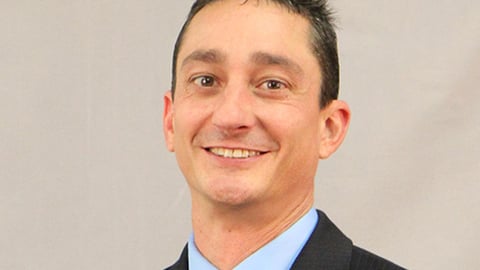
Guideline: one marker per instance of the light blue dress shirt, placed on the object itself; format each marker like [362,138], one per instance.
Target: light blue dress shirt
[278,254]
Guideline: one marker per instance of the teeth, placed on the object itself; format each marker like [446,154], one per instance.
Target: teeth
[237,153]
[233,153]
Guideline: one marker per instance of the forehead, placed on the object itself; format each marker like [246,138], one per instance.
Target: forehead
[237,27]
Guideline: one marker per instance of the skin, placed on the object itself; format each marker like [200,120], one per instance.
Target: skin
[255,89]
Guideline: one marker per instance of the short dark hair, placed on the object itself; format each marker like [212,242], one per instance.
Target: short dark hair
[323,40]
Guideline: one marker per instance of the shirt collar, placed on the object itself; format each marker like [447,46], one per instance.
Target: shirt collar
[280,253]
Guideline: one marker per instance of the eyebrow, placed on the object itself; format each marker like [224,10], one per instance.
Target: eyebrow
[207,56]
[268,59]
[213,56]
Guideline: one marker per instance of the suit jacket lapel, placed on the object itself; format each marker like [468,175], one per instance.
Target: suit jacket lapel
[182,263]
[327,248]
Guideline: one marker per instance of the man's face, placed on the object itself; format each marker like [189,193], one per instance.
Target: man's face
[245,124]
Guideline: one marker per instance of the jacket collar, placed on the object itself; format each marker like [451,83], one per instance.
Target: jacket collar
[327,249]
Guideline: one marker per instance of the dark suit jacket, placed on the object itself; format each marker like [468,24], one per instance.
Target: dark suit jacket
[326,249]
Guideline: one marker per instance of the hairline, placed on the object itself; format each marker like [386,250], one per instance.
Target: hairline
[312,36]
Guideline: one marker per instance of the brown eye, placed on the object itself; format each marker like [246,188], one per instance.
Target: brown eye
[204,81]
[273,85]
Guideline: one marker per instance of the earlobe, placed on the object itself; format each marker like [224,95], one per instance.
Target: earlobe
[168,127]
[333,127]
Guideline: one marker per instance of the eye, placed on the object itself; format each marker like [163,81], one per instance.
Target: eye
[204,81]
[273,85]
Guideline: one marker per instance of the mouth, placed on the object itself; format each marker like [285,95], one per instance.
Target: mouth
[233,153]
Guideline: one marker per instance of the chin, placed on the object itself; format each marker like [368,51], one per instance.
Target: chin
[232,195]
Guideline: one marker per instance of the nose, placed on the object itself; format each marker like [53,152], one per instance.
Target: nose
[234,109]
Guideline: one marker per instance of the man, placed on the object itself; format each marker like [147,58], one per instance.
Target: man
[253,108]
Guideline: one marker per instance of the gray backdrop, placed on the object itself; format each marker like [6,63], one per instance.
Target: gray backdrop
[86,181]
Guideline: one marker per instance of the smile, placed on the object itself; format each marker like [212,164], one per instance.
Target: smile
[233,153]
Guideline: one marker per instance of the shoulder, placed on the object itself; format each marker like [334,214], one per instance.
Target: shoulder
[363,259]
[328,248]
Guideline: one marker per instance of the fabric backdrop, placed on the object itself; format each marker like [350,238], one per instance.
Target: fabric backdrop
[86,181]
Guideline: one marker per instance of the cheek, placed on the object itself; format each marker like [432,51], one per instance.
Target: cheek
[297,132]
[183,126]
[290,120]
[189,119]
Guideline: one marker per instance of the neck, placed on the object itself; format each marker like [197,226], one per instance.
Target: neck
[227,235]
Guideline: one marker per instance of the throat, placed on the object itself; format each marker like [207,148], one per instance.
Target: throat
[226,249]
[227,242]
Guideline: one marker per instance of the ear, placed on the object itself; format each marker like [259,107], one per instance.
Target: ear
[333,127]
[168,127]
